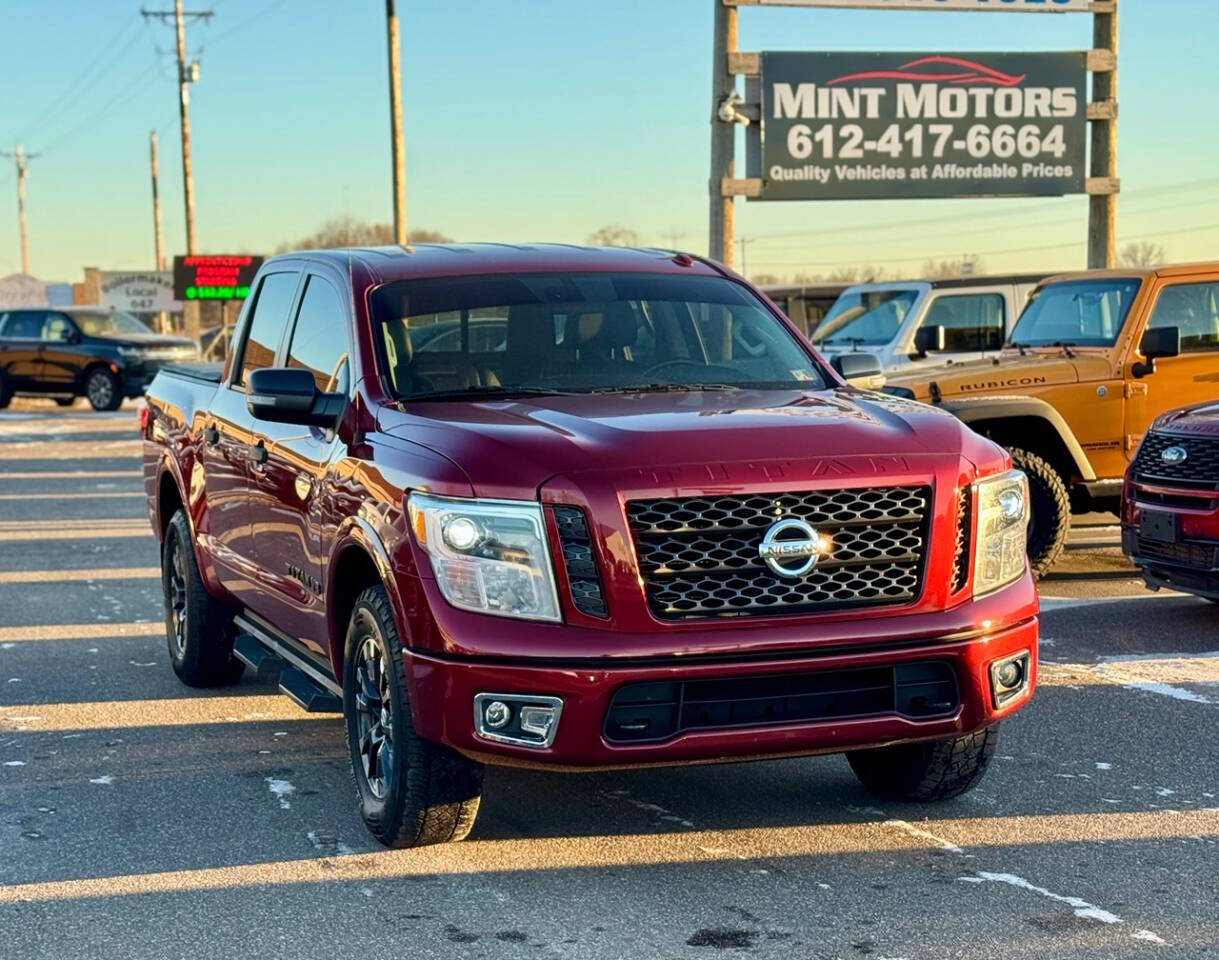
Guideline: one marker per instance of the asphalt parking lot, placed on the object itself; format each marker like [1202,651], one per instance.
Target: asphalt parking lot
[139,818]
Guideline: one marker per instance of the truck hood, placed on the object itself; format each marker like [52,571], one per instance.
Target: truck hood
[1005,374]
[1199,421]
[511,448]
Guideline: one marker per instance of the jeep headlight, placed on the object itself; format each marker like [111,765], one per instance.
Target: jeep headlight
[489,556]
[1003,518]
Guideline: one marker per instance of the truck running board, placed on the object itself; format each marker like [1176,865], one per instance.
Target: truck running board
[309,696]
[249,650]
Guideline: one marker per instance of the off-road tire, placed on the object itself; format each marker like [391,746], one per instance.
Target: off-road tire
[65,401]
[926,772]
[430,793]
[202,653]
[1050,511]
[103,390]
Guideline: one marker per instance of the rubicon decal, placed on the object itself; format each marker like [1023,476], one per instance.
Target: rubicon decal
[858,126]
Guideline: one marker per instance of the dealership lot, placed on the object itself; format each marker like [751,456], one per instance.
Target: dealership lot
[143,819]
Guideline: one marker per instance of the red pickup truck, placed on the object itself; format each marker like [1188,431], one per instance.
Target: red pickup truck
[571,508]
[1170,507]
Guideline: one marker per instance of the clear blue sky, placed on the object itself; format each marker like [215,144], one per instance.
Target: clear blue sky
[535,120]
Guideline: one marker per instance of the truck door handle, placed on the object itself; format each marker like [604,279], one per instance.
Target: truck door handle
[211,436]
[258,453]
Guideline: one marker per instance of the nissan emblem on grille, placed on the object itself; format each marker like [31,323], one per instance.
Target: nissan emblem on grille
[1175,455]
[791,548]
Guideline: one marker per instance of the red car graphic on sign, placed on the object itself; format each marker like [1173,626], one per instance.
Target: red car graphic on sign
[939,70]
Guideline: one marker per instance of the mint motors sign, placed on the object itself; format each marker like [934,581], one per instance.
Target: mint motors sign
[849,126]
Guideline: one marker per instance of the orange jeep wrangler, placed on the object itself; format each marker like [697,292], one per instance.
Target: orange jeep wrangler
[1094,358]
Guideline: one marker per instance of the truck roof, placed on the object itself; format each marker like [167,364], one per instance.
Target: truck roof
[422,260]
[949,282]
[1171,270]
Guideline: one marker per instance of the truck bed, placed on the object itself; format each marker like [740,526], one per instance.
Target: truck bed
[203,372]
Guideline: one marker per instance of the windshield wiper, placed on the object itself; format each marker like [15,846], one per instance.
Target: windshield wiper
[488,391]
[669,388]
[1066,348]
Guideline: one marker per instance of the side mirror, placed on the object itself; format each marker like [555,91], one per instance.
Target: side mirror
[929,339]
[859,370]
[290,395]
[1156,344]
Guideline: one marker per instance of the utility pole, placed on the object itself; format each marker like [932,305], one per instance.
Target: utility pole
[1102,207]
[187,74]
[158,232]
[743,241]
[723,135]
[22,168]
[156,201]
[395,123]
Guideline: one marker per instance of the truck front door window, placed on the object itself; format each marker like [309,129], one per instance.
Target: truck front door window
[1194,309]
[319,341]
[973,323]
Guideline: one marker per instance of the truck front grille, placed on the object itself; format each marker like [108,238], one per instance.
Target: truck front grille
[1199,469]
[643,712]
[698,557]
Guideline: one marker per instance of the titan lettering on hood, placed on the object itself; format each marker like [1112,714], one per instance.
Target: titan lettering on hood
[859,125]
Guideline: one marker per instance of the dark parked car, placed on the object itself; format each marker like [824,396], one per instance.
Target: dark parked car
[654,528]
[69,352]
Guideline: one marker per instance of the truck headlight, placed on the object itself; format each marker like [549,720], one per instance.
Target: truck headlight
[489,556]
[1003,519]
[131,353]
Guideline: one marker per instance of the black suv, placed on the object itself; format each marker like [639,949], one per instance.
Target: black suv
[68,352]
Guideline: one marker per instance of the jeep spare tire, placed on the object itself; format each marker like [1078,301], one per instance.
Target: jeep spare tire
[1050,511]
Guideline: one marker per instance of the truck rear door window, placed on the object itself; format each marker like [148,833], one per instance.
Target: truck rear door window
[267,322]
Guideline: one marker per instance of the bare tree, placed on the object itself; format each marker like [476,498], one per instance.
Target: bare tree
[614,235]
[347,231]
[766,279]
[1144,254]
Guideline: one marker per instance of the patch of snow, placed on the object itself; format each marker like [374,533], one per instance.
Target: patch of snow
[1164,792]
[104,781]
[137,664]
[14,763]
[1146,935]
[1082,908]
[1104,766]
[1166,690]
[282,789]
[914,831]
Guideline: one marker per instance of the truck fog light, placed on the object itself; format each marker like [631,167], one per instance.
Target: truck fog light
[521,719]
[1009,678]
[497,714]
[537,720]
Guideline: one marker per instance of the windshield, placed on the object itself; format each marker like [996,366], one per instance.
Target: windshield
[867,317]
[581,333]
[109,324]
[1080,313]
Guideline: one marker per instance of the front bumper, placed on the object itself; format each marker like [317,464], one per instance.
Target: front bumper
[1190,564]
[443,690]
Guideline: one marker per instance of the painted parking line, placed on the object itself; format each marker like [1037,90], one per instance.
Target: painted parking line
[1065,603]
[132,714]
[100,495]
[70,474]
[79,576]
[75,530]
[80,631]
[1165,676]
[492,857]
[59,450]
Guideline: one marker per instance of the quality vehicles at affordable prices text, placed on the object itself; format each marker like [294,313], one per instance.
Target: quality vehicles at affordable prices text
[653,528]
[1094,358]
[1170,509]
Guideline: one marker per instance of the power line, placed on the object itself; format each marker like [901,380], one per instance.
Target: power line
[934,221]
[122,97]
[986,253]
[80,77]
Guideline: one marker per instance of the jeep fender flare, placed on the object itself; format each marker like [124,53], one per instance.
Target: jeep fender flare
[976,412]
